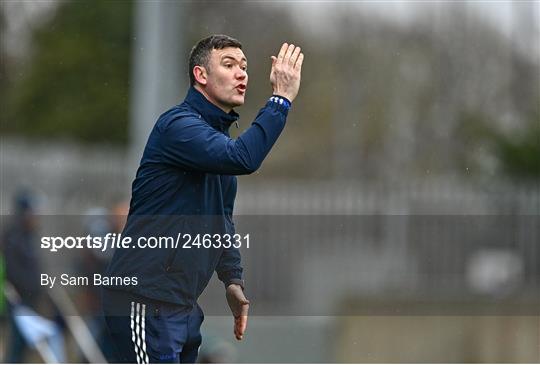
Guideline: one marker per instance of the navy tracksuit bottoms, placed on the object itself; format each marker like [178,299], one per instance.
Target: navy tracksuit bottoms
[146,331]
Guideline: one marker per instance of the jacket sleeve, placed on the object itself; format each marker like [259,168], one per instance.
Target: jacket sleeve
[191,143]
[229,269]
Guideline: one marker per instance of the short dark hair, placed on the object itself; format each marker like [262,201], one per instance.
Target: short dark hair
[200,53]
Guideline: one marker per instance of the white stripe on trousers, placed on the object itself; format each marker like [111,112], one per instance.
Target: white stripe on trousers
[138,334]
[133,331]
[145,358]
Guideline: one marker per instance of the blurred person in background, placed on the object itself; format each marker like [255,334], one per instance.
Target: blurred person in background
[98,222]
[23,268]
[19,245]
[185,183]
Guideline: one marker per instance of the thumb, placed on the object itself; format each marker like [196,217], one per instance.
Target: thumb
[274,59]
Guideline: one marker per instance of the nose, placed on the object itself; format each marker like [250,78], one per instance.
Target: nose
[241,74]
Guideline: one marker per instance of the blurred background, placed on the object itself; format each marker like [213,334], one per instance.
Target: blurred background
[395,220]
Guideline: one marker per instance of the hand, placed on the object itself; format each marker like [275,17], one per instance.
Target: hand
[239,307]
[286,70]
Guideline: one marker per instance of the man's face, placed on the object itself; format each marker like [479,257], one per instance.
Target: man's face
[227,78]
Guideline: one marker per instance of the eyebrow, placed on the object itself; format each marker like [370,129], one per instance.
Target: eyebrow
[232,58]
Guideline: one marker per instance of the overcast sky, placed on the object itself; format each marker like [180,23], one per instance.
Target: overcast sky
[499,13]
[27,14]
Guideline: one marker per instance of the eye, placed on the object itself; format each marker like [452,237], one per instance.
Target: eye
[244,68]
[228,65]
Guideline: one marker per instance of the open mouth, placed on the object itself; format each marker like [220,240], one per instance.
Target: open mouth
[241,89]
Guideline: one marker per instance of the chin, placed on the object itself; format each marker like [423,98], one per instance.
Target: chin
[237,102]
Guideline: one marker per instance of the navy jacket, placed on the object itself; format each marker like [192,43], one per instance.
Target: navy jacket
[186,184]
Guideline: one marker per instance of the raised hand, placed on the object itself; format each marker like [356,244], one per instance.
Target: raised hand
[286,71]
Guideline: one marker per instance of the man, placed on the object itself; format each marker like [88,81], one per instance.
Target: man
[185,184]
[19,243]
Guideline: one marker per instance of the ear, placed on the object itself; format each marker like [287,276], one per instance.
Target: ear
[200,75]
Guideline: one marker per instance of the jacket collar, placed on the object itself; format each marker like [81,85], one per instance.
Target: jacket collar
[213,115]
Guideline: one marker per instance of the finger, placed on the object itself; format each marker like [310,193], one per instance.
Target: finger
[243,325]
[298,64]
[237,332]
[289,53]
[240,325]
[294,56]
[282,51]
